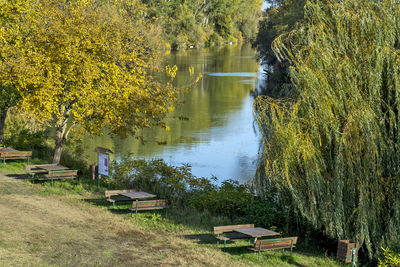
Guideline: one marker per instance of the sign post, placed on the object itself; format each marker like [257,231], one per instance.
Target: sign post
[103,163]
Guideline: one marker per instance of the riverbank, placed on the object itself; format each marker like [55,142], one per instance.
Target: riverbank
[65,225]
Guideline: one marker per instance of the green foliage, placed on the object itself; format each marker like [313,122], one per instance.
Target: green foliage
[8,97]
[205,22]
[24,134]
[334,144]
[390,258]
[280,18]
[230,199]
[156,176]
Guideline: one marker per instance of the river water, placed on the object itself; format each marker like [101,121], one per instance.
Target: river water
[213,130]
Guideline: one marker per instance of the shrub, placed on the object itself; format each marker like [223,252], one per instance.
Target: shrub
[158,177]
[390,258]
[230,199]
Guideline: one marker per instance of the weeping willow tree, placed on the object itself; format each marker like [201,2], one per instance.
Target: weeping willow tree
[335,146]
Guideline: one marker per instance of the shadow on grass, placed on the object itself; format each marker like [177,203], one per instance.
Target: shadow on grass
[235,249]
[201,238]
[97,202]
[290,259]
[101,202]
[22,176]
[240,250]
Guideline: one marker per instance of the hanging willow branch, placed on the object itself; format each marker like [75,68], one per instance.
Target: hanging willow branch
[336,148]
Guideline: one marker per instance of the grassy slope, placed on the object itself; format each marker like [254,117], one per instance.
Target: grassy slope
[40,228]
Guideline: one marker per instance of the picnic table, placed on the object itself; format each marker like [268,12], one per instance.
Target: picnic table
[267,244]
[6,149]
[256,232]
[137,195]
[127,194]
[52,171]
[242,231]
[143,201]
[10,153]
[51,167]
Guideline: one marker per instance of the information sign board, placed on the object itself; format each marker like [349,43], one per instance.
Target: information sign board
[103,161]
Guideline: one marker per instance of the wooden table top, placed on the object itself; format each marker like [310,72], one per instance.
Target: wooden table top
[256,232]
[137,195]
[52,167]
[7,149]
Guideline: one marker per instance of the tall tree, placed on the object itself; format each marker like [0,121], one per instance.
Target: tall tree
[88,63]
[335,144]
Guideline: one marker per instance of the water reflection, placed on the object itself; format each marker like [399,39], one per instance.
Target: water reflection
[234,74]
[214,129]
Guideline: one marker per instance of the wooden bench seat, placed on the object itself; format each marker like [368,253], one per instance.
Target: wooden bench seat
[15,154]
[230,237]
[156,204]
[275,243]
[225,233]
[62,174]
[114,200]
[112,193]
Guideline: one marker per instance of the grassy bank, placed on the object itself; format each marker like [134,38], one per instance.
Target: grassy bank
[69,226]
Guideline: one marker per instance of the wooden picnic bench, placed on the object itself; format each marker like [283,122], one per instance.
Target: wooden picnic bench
[34,170]
[275,243]
[9,153]
[51,172]
[156,204]
[113,193]
[62,174]
[225,233]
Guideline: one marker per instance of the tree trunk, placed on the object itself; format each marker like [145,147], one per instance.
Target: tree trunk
[3,115]
[61,137]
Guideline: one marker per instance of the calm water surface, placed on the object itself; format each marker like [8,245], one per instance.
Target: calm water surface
[214,130]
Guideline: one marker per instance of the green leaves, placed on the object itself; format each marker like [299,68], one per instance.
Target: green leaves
[390,258]
[199,22]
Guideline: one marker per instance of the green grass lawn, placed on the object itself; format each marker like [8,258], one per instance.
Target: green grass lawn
[66,225]
[16,165]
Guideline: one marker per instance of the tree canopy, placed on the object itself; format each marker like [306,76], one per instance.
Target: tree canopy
[334,144]
[10,36]
[89,63]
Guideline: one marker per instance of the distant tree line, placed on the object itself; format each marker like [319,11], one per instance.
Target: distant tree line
[186,23]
